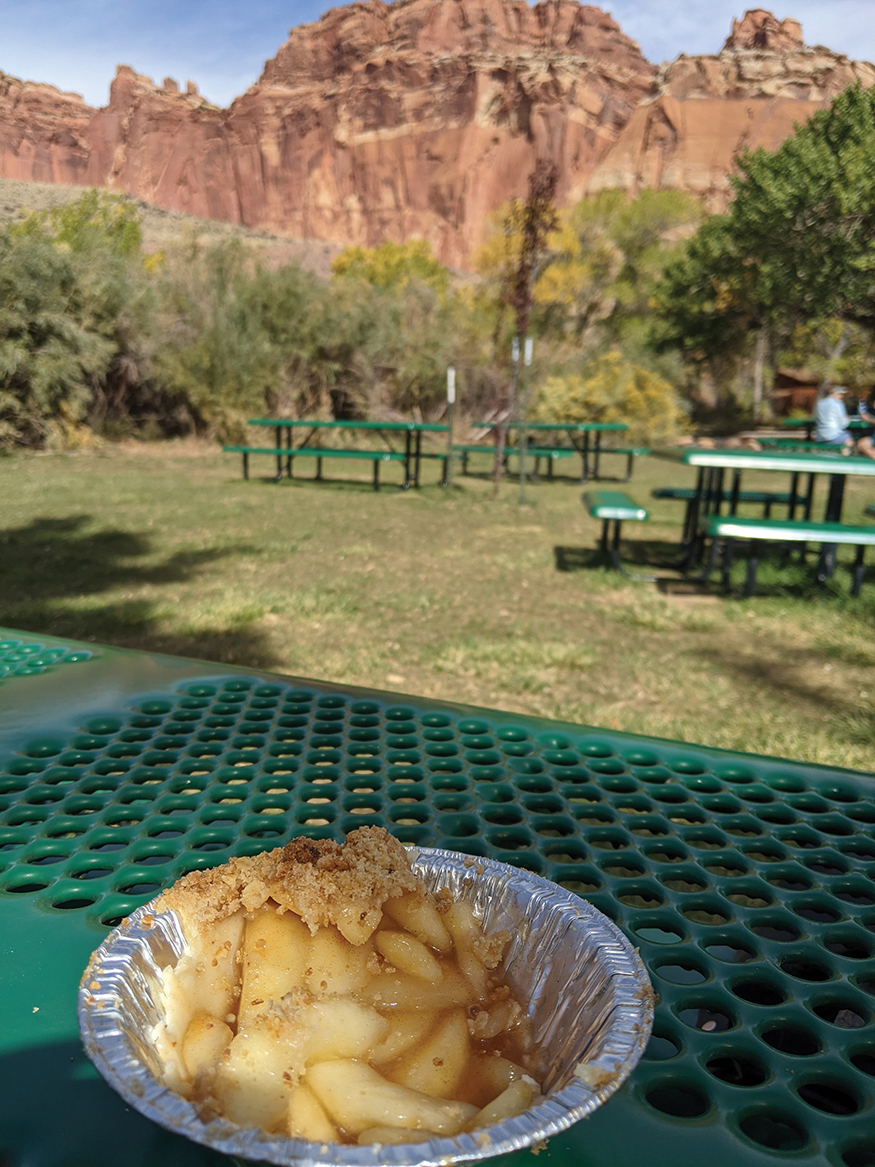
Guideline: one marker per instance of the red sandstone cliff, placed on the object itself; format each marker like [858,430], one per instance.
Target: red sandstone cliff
[385,121]
[706,109]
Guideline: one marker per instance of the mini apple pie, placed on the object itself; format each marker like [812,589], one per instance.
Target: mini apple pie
[326,994]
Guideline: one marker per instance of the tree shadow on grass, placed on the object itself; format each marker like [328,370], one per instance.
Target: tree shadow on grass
[51,563]
[787,673]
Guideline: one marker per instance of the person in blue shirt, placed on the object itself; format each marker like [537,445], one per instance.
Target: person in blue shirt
[866,444]
[831,420]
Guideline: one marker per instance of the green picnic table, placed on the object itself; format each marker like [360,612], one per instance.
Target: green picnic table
[746,882]
[583,436]
[309,446]
[710,493]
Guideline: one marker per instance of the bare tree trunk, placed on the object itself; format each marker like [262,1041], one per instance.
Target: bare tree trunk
[758,373]
[501,429]
[835,353]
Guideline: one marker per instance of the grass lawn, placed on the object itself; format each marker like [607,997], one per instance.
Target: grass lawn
[446,594]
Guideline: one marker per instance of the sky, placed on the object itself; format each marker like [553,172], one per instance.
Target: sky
[222,45]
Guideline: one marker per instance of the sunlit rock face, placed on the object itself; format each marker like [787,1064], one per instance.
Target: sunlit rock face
[704,110]
[418,119]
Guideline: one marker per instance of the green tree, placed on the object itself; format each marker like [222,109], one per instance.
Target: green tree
[796,248]
[50,352]
[215,352]
[805,215]
[99,234]
[606,259]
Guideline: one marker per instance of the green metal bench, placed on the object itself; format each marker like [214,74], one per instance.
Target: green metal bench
[793,444]
[317,452]
[463,452]
[631,453]
[728,528]
[766,498]
[614,507]
[551,453]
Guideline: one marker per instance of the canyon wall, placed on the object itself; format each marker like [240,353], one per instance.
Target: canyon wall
[704,110]
[420,118]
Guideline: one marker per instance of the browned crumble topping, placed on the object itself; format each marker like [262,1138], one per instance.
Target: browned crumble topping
[317,879]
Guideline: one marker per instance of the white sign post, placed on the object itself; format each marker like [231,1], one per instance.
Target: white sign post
[451,404]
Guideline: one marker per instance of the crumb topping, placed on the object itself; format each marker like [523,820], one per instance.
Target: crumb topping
[317,879]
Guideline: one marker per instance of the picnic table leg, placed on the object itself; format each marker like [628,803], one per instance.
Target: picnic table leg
[246,466]
[279,458]
[630,458]
[691,513]
[736,490]
[550,469]
[408,451]
[377,475]
[805,502]
[691,521]
[859,569]
[796,501]
[714,500]
[596,451]
[289,454]
[794,496]
[318,469]
[711,501]
[615,546]
[584,454]
[465,463]
[835,498]
[418,462]
[809,499]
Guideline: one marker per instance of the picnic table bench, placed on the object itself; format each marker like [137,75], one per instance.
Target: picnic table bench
[552,454]
[309,447]
[318,452]
[695,498]
[614,508]
[584,437]
[729,528]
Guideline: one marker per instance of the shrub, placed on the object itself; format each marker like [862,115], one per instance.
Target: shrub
[614,389]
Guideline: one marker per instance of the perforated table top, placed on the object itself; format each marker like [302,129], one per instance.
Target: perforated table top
[748,883]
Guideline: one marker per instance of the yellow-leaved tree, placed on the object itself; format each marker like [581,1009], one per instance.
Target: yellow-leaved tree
[614,389]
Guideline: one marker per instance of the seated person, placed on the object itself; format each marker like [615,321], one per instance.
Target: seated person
[866,407]
[866,410]
[831,420]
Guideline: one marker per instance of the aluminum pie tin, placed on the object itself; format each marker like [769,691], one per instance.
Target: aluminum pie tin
[589,999]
